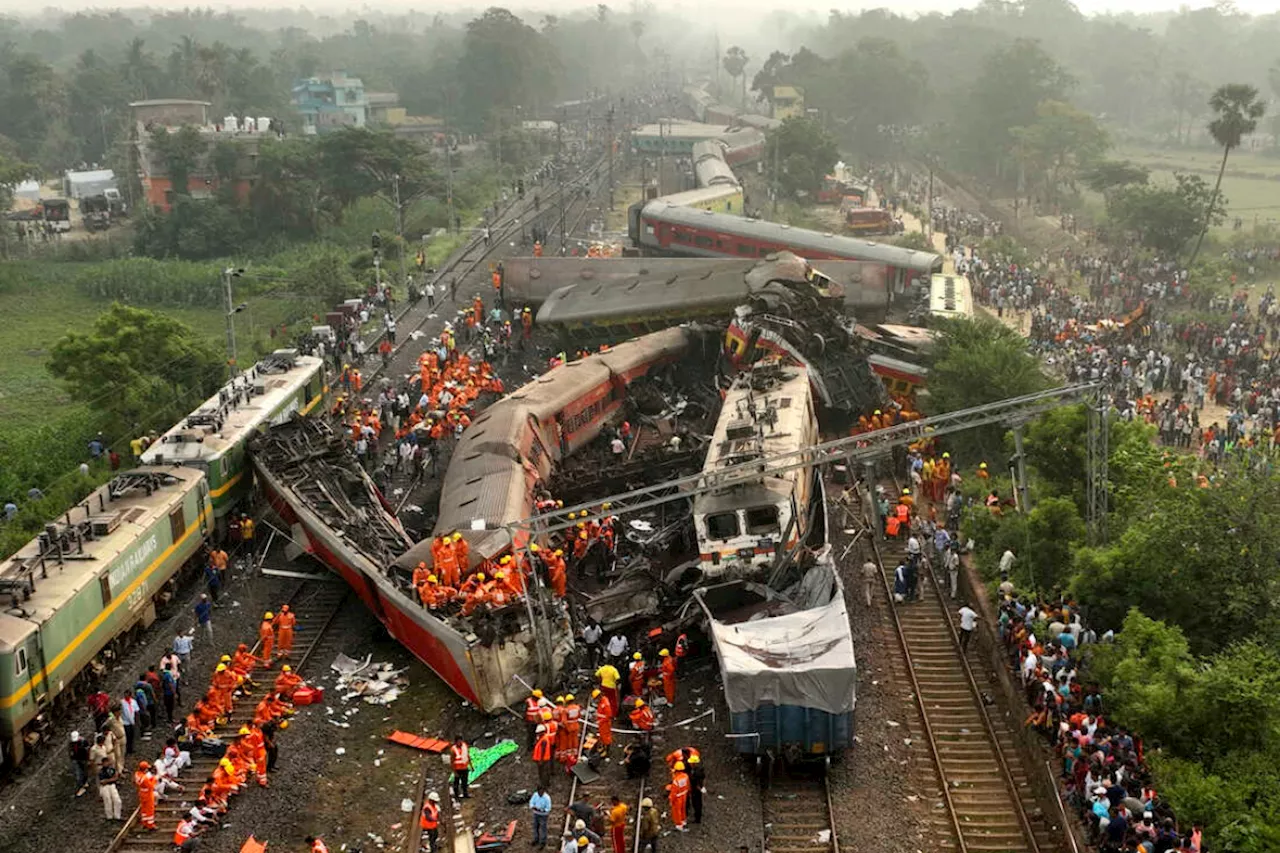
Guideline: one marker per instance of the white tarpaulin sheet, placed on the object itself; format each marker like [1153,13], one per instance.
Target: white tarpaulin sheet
[803,659]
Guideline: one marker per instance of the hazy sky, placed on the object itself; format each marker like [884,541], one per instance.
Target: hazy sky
[22,7]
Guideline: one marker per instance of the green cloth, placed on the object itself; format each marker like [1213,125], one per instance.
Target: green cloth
[483,759]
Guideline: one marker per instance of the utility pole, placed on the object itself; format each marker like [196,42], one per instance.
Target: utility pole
[404,273]
[662,153]
[232,310]
[928,206]
[609,142]
[777,185]
[564,238]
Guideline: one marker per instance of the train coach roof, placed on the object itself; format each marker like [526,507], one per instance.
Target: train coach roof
[804,658]
[797,239]
[222,422]
[133,512]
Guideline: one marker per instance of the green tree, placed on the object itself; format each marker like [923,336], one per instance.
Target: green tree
[1107,176]
[1166,218]
[505,63]
[882,92]
[1237,108]
[1013,82]
[182,152]
[192,229]
[805,153]
[1059,144]
[735,62]
[355,163]
[141,369]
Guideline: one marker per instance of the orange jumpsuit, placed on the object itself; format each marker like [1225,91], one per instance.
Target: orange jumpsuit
[559,577]
[669,679]
[254,742]
[642,718]
[285,622]
[224,683]
[243,663]
[145,781]
[287,682]
[604,721]
[636,676]
[678,796]
[268,638]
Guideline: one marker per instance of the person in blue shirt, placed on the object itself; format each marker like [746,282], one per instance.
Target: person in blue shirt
[540,806]
[204,615]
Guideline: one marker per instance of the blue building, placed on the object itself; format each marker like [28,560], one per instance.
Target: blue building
[331,101]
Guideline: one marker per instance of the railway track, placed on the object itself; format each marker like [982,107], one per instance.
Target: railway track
[319,607]
[797,816]
[988,803]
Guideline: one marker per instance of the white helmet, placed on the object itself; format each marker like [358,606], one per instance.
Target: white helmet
[433,797]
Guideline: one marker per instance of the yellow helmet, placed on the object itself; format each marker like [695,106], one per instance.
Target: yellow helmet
[533,547]
[506,558]
[432,579]
[499,575]
[284,724]
[637,656]
[537,694]
[906,491]
[983,465]
[457,536]
[573,515]
[480,576]
[946,456]
[568,697]
[694,759]
[605,505]
[595,694]
[559,553]
[225,659]
[244,730]
[222,667]
[664,654]
[559,700]
[639,703]
[268,615]
[286,668]
[679,765]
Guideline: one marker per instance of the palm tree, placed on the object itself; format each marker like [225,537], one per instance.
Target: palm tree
[1237,108]
[735,62]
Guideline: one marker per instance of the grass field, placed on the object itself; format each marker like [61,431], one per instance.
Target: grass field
[39,313]
[1251,183]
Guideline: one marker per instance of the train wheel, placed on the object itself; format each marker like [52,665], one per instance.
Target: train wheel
[816,347]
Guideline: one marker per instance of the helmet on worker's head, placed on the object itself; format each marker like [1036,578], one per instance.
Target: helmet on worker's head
[877,411]
[432,579]
[533,546]
[144,765]
[559,700]
[559,504]
[222,667]
[457,536]
[906,491]
[582,841]
[480,576]
[540,729]
[537,694]
[605,505]
[568,697]
[268,615]
[694,759]
[946,455]
[244,730]
[579,824]
[286,668]
[664,654]
[225,659]
[639,703]
[637,656]
[582,535]
[506,558]
[284,724]
[982,465]
[679,765]
[573,515]
[433,797]
[499,575]
[646,803]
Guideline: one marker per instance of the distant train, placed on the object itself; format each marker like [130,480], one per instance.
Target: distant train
[659,227]
[950,297]
[101,569]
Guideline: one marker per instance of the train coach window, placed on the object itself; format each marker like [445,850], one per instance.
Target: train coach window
[20,662]
[177,523]
[723,525]
[703,241]
[762,520]
[105,583]
[746,251]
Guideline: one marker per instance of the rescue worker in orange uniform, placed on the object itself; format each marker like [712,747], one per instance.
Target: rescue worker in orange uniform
[271,708]
[604,720]
[682,648]
[285,623]
[678,795]
[642,718]
[462,550]
[267,635]
[446,564]
[244,661]
[145,781]
[429,820]
[983,473]
[224,682]
[635,675]
[557,573]
[421,572]
[460,762]
[684,753]
[570,731]
[668,676]
[543,754]
[287,682]
[533,714]
[257,747]
[941,476]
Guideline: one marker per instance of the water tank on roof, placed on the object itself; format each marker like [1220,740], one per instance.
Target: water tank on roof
[264,124]
[231,123]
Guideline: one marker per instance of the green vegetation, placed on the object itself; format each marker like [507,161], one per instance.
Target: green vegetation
[804,152]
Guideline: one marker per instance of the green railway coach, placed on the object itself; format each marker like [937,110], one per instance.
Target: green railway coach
[96,573]
[213,437]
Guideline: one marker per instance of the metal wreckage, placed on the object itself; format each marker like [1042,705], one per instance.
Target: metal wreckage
[662,407]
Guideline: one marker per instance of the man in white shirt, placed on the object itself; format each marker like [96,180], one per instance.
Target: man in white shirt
[617,649]
[1006,564]
[968,622]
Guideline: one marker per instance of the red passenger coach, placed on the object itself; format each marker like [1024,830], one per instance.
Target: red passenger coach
[666,229]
